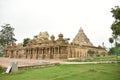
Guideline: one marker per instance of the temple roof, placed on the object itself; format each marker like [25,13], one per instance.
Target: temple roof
[82,39]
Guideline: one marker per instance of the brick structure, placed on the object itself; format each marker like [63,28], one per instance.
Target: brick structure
[44,48]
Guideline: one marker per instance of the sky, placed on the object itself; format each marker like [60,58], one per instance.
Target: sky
[30,17]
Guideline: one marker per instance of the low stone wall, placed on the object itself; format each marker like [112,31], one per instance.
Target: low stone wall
[102,62]
[38,66]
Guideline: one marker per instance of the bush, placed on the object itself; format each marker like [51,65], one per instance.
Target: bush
[1,69]
[1,54]
[97,55]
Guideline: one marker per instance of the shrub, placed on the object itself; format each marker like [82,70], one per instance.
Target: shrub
[1,69]
[1,54]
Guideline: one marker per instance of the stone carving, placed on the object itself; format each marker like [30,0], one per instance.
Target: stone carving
[81,39]
[60,40]
[43,36]
[43,48]
[12,67]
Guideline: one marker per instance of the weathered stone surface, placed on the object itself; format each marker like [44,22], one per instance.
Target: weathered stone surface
[43,48]
[8,68]
[12,67]
[81,39]
[43,36]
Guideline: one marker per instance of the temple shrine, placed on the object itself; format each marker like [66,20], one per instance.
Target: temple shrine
[42,47]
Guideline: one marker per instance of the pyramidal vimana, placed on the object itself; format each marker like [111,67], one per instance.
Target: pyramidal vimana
[44,48]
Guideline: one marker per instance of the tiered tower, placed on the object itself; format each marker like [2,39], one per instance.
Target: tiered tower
[81,39]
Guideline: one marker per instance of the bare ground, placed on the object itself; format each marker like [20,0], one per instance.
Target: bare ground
[5,62]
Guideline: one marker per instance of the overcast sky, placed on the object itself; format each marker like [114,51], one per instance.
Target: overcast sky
[29,17]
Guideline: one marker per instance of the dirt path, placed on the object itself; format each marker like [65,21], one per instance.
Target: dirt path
[5,62]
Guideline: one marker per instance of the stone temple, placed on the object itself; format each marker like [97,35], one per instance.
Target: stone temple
[82,39]
[47,47]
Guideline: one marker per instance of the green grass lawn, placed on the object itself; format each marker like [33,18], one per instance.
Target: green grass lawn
[96,59]
[68,72]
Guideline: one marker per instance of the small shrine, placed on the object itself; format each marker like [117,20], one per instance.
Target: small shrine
[47,47]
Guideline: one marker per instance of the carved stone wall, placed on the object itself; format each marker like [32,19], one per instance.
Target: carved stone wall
[81,39]
[50,49]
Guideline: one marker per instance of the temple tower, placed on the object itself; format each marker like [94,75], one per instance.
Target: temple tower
[81,39]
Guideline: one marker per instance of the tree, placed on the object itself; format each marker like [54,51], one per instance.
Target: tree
[116,13]
[25,41]
[111,41]
[7,35]
[91,52]
[35,37]
[112,51]
[115,27]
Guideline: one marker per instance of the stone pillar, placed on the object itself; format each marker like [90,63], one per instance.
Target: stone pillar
[43,54]
[36,53]
[53,52]
[11,54]
[58,54]
[30,53]
[26,53]
[33,53]
[40,53]
[70,53]
[49,52]
[79,52]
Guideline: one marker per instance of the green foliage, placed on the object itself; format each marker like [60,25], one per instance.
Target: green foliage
[106,58]
[1,51]
[116,24]
[1,54]
[116,12]
[103,53]
[111,40]
[7,35]
[91,52]
[68,72]
[111,51]
[118,45]
[1,69]
[116,28]
[96,59]
[25,41]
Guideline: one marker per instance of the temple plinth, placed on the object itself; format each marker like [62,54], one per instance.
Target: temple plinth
[42,47]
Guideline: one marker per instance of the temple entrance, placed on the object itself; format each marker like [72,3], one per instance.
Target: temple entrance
[51,56]
[11,56]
